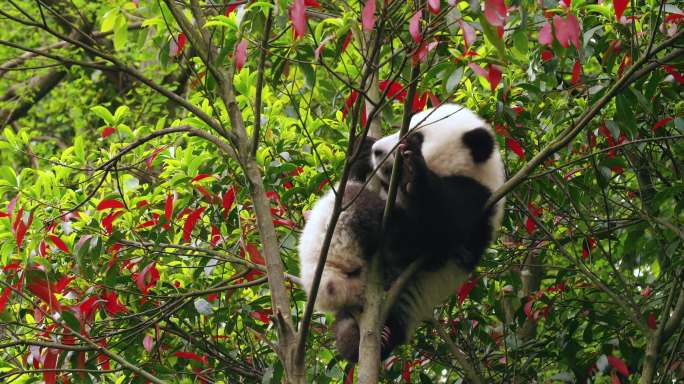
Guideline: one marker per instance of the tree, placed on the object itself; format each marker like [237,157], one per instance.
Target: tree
[158,159]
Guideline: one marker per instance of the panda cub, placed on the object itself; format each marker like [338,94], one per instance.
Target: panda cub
[450,167]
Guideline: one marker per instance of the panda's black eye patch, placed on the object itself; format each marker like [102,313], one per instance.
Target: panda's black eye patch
[481,144]
[378,152]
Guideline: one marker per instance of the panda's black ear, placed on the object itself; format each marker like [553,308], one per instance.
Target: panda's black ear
[481,144]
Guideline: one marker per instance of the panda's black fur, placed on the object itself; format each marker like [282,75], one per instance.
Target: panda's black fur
[450,167]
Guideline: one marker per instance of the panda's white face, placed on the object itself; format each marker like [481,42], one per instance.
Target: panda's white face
[443,148]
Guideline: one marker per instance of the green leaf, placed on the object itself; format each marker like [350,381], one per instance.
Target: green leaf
[103,113]
[454,79]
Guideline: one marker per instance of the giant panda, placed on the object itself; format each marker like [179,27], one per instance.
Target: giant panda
[451,165]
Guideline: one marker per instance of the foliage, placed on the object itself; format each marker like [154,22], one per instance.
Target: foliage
[131,242]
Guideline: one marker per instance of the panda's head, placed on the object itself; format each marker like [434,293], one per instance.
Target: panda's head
[455,141]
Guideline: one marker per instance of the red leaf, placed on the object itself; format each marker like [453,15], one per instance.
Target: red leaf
[109,204]
[253,274]
[651,321]
[63,282]
[181,43]
[679,76]
[107,131]
[3,298]
[661,123]
[227,201]
[298,18]
[515,146]
[545,36]
[646,292]
[49,364]
[200,177]
[102,359]
[141,279]
[434,100]
[108,221]
[576,72]
[240,54]
[414,26]
[148,342]
[620,6]
[168,207]
[396,90]
[312,3]
[527,309]
[419,102]
[421,53]
[231,8]
[494,76]
[434,6]
[465,289]
[21,227]
[530,224]
[43,290]
[469,35]
[547,55]
[59,243]
[349,379]
[496,12]
[3,214]
[262,315]
[190,222]
[192,356]
[111,303]
[147,224]
[285,223]
[619,365]
[346,42]
[254,254]
[368,15]
[215,236]
[153,156]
